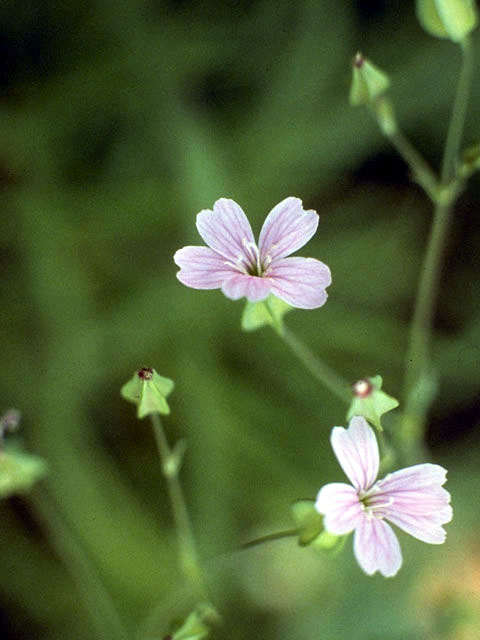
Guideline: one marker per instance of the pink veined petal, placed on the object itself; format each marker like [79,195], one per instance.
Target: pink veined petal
[340,505]
[226,230]
[300,282]
[202,268]
[425,528]
[356,449]
[419,477]
[376,547]
[253,288]
[286,228]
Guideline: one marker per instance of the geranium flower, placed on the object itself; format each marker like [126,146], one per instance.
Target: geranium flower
[235,263]
[412,499]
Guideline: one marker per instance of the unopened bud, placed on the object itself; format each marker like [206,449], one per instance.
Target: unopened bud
[368,82]
[149,391]
[452,19]
[370,401]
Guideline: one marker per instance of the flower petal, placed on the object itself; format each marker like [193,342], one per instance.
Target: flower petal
[341,506]
[356,449]
[376,547]
[300,282]
[425,528]
[226,229]
[251,287]
[202,268]
[419,476]
[286,228]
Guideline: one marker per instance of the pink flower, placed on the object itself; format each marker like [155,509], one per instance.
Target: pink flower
[412,499]
[235,263]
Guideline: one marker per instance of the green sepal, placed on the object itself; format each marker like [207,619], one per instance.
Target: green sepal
[148,390]
[194,627]
[373,405]
[368,82]
[268,312]
[308,521]
[453,19]
[329,542]
[19,472]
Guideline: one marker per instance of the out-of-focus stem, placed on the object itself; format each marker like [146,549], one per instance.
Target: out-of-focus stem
[103,614]
[288,533]
[411,429]
[422,171]
[189,562]
[319,369]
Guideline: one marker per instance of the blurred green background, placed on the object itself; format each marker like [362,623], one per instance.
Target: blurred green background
[119,121]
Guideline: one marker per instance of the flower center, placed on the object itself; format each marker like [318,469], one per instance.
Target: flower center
[373,504]
[249,262]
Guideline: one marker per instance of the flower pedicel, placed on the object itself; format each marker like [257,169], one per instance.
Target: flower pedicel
[413,499]
[235,263]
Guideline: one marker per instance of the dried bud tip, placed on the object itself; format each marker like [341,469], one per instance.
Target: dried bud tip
[146,373]
[358,61]
[362,388]
[9,421]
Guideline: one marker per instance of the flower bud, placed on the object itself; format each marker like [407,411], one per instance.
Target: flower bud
[452,19]
[470,161]
[149,391]
[370,401]
[19,472]
[368,82]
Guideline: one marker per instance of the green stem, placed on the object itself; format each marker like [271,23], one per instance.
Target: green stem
[104,617]
[422,171]
[384,113]
[288,533]
[414,417]
[455,129]
[187,550]
[319,369]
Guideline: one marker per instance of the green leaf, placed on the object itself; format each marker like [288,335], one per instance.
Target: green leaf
[370,401]
[148,390]
[19,472]
[308,520]
[269,312]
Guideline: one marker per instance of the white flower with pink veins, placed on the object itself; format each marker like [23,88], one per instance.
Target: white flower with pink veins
[241,268]
[413,499]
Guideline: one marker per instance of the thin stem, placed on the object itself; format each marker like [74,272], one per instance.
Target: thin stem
[288,533]
[187,550]
[418,355]
[455,129]
[422,171]
[99,604]
[319,369]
